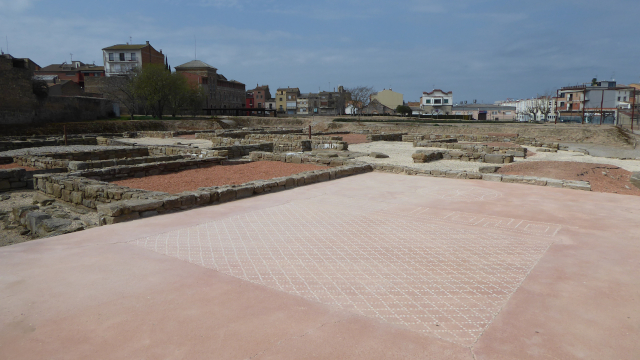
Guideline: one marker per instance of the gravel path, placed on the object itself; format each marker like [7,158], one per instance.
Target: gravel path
[57,149]
[400,154]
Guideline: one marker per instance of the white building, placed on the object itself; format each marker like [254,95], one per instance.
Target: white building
[121,59]
[436,102]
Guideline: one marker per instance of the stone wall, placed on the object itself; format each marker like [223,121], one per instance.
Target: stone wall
[232,152]
[462,137]
[529,141]
[330,160]
[422,156]
[13,179]
[475,148]
[54,141]
[117,204]
[98,164]
[59,109]
[61,160]
[460,174]
[155,134]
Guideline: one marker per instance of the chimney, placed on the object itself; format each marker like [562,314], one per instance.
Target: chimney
[160,51]
[147,42]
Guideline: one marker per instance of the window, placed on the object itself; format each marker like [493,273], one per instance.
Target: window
[494,113]
[618,98]
[446,101]
[561,103]
[427,101]
[121,56]
[437,101]
[111,58]
[133,56]
[280,99]
[624,99]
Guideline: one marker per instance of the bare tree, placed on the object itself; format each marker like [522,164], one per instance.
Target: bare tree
[361,97]
[532,109]
[544,105]
[121,89]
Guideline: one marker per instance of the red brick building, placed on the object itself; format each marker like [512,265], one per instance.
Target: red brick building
[76,71]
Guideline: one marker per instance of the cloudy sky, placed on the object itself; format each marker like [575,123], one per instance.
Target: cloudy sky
[482,49]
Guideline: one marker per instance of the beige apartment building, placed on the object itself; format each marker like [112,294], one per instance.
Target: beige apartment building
[286,100]
[388,98]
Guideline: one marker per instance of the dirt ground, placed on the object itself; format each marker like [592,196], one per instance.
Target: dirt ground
[602,177]
[16,166]
[189,180]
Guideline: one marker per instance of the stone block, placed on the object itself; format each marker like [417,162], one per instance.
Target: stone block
[488,169]
[378,155]
[474,175]
[226,194]
[553,182]
[33,219]
[577,185]
[171,202]
[142,204]
[512,178]
[244,191]
[109,220]
[76,197]
[111,209]
[51,225]
[494,158]
[492,177]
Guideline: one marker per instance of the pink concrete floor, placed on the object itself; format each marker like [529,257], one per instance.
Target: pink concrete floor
[373,266]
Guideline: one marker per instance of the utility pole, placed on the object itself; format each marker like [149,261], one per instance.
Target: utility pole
[633,108]
[601,103]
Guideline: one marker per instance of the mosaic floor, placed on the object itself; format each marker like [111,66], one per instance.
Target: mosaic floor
[444,273]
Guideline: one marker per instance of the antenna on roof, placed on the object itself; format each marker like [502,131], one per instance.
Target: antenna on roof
[195,48]
[7,40]
[130,40]
[71,55]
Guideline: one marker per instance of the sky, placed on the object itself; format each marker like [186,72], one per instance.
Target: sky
[487,50]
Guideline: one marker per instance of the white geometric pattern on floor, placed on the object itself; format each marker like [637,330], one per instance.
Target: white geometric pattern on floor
[449,280]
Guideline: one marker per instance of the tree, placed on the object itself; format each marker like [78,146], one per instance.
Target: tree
[403,110]
[532,109]
[122,90]
[361,97]
[179,92]
[197,97]
[154,84]
[544,106]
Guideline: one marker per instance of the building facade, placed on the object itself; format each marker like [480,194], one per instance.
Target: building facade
[76,71]
[389,98]
[437,102]
[486,112]
[122,59]
[303,104]
[220,92]
[287,100]
[328,102]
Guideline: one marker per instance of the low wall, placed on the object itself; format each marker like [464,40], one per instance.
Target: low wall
[6,145]
[422,156]
[231,152]
[61,160]
[460,174]
[13,179]
[476,148]
[462,137]
[529,141]
[98,164]
[117,204]
[147,169]
[299,158]
[155,134]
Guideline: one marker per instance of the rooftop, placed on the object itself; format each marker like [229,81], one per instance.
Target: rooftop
[195,64]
